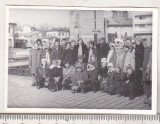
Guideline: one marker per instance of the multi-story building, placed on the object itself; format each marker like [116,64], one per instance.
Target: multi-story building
[119,25]
[92,25]
[11,34]
[142,24]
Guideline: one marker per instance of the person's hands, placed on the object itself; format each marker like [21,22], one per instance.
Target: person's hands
[127,81]
[141,69]
[99,77]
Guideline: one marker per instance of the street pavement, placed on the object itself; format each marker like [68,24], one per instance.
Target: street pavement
[22,95]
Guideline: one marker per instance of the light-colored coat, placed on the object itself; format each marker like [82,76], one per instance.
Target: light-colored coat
[34,59]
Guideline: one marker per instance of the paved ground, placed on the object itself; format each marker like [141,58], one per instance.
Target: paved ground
[21,94]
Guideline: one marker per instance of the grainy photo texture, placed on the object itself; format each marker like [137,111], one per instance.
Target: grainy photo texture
[83,59]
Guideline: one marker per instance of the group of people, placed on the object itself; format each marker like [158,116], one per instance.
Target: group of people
[117,68]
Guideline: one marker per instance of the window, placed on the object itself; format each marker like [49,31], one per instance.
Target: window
[142,17]
[9,29]
[62,34]
[59,34]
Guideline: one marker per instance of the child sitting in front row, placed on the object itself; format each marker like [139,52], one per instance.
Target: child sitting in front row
[102,73]
[79,79]
[42,74]
[128,85]
[117,79]
[92,71]
[55,77]
[68,72]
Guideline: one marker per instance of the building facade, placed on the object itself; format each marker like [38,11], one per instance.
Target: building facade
[142,24]
[60,33]
[92,25]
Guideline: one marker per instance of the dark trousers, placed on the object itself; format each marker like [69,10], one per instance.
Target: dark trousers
[55,85]
[147,88]
[67,84]
[119,87]
[128,90]
[40,82]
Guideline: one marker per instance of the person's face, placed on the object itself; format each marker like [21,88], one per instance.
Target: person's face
[93,59]
[80,60]
[35,45]
[138,42]
[134,45]
[67,65]
[44,63]
[91,45]
[103,64]
[110,68]
[63,42]
[80,42]
[44,45]
[117,70]
[112,47]
[57,44]
[68,46]
[126,49]
[59,62]
[73,44]
[101,41]
[129,71]
[148,44]
[54,63]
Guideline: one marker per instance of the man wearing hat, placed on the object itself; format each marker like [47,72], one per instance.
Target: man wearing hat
[102,49]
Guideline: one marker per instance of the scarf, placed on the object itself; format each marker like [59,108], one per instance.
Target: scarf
[90,53]
[47,58]
[80,50]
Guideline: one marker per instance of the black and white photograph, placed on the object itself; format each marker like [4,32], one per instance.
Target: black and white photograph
[81,59]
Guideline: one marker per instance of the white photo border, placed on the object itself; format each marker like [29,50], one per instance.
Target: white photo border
[87,111]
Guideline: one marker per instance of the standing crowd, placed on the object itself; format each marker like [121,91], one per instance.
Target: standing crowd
[117,68]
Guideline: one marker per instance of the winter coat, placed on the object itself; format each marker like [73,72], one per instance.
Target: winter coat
[129,60]
[68,72]
[139,56]
[41,73]
[79,76]
[117,79]
[84,52]
[43,55]
[113,58]
[128,89]
[57,54]
[110,85]
[69,56]
[103,72]
[147,64]
[121,55]
[94,52]
[102,51]
[34,59]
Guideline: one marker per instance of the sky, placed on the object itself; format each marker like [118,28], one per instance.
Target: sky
[37,17]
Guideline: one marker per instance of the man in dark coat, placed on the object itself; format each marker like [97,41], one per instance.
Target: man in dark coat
[81,50]
[57,51]
[139,56]
[68,54]
[102,49]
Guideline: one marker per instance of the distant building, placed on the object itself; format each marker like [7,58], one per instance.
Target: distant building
[60,33]
[11,34]
[119,25]
[142,24]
